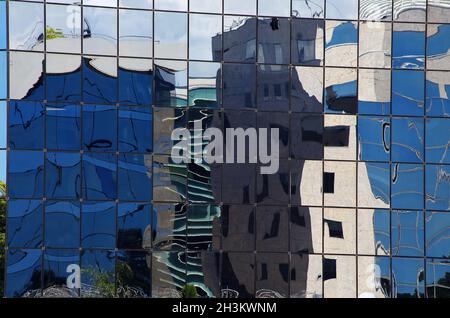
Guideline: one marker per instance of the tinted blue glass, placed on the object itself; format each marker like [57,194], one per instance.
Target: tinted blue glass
[378,174]
[438,92]
[25,226]
[239,39]
[407,233]
[2,25]
[170,83]
[56,265]
[381,244]
[99,128]
[408,92]
[306,44]
[63,127]
[437,278]
[99,176]
[135,129]
[133,225]
[406,189]
[26,125]
[135,87]
[407,139]
[274,40]
[336,96]
[374,138]
[344,34]
[98,228]
[437,187]
[98,271]
[408,275]
[66,86]
[133,268]
[135,179]
[99,87]
[438,140]
[3,75]
[23,272]
[26,174]
[238,88]
[438,234]
[408,47]
[63,175]
[438,44]
[62,224]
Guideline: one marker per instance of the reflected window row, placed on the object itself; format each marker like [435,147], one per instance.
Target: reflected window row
[139,274]
[62,78]
[138,33]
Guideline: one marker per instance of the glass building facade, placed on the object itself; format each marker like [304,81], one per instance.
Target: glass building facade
[91,91]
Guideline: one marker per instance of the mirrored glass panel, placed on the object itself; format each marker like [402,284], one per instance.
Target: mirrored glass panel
[341,91]
[410,11]
[99,31]
[307,42]
[133,271]
[99,176]
[438,11]
[379,11]
[373,185]
[408,278]
[438,46]
[26,123]
[339,184]
[340,137]
[374,277]
[437,195]
[408,46]
[134,226]
[239,89]
[273,40]
[239,39]
[406,192]
[63,175]
[175,5]
[23,273]
[272,275]
[209,6]
[341,43]
[238,279]
[342,9]
[169,180]
[307,89]
[62,225]
[63,127]
[138,4]
[306,276]
[98,274]
[26,76]
[240,6]
[374,138]
[204,83]
[437,140]
[408,93]
[26,174]
[374,92]
[135,177]
[308,9]
[63,28]
[437,238]
[407,233]
[438,92]
[279,8]
[25,223]
[436,279]
[339,276]
[135,129]
[374,236]
[305,229]
[63,77]
[171,83]
[408,139]
[375,44]
[135,33]
[99,128]
[339,231]
[204,32]
[170,35]
[26,26]
[169,227]
[99,79]
[135,81]
[98,227]
[169,270]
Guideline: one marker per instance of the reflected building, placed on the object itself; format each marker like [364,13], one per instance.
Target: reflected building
[359,205]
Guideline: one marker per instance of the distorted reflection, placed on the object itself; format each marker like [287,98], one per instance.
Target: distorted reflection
[438,47]
[406,192]
[25,228]
[408,93]
[407,139]
[308,9]
[409,10]
[62,35]
[339,275]
[341,43]
[407,233]
[374,92]
[62,225]
[374,138]
[438,92]
[99,31]
[374,277]
[408,278]
[341,91]
[26,26]
[437,183]
[307,42]
[408,46]
[380,10]
[374,232]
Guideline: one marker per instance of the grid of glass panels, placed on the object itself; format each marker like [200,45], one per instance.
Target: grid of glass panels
[358,89]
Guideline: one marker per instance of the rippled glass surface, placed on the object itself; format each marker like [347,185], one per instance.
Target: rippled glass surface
[408,277]
[408,139]
[380,10]
[436,183]
[437,98]
[203,80]
[25,228]
[374,232]
[408,92]
[406,192]
[63,175]
[437,140]
[170,83]
[99,176]
[99,128]
[26,122]
[410,10]
[408,46]
[374,138]
[98,227]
